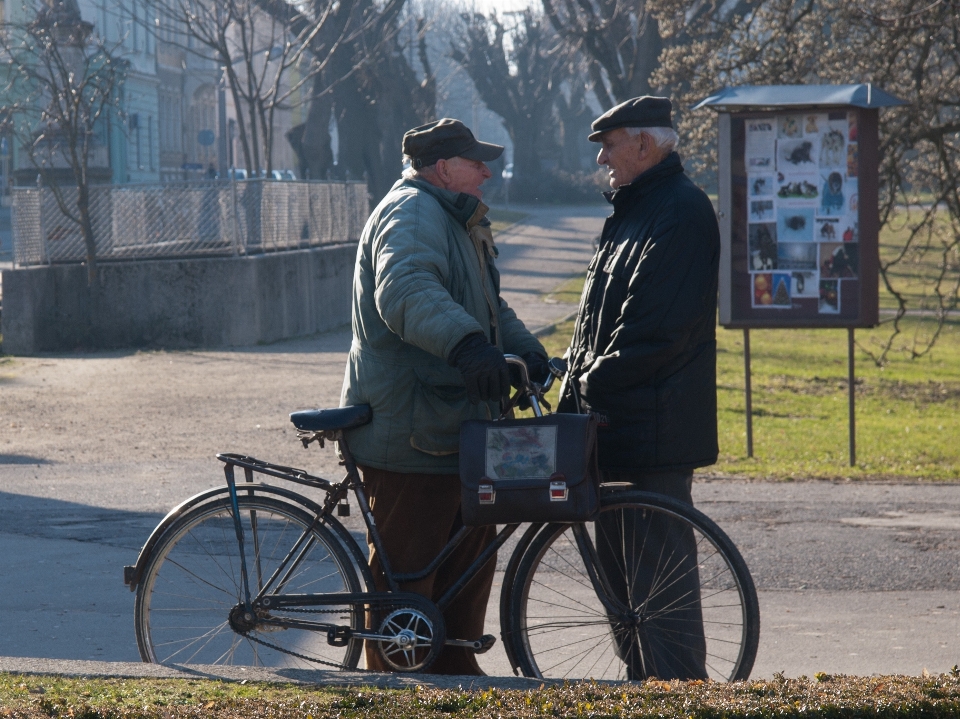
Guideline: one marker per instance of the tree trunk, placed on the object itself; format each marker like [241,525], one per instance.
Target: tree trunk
[86,227]
[314,149]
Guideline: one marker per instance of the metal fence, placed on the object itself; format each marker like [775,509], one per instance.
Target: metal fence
[188,219]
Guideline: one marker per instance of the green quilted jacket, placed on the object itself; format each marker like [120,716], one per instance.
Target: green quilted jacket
[425,278]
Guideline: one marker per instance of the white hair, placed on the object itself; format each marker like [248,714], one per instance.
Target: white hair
[412,172]
[665,138]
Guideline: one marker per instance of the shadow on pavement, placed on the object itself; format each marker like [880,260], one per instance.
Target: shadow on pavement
[56,519]
[22,459]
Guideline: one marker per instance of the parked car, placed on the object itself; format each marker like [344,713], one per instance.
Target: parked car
[237,173]
[279,175]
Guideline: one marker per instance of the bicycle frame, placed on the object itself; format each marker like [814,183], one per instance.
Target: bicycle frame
[267,592]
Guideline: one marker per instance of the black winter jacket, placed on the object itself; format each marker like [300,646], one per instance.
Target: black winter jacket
[644,347]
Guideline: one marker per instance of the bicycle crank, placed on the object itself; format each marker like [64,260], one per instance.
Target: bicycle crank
[415,639]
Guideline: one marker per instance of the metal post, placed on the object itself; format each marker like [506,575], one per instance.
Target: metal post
[749,393]
[222,124]
[852,386]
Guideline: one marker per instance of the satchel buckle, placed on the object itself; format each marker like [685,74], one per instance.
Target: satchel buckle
[486,494]
[558,491]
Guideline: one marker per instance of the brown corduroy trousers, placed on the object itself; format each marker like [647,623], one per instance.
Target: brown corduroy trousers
[416,514]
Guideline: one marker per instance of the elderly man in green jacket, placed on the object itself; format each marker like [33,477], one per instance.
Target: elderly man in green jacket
[429,333]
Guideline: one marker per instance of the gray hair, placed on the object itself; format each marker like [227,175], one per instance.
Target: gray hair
[411,171]
[665,138]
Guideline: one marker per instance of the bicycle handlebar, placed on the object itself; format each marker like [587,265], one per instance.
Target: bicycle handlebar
[532,390]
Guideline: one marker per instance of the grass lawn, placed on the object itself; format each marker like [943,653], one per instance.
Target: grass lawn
[907,413]
[40,697]
[916,275]
[502,219]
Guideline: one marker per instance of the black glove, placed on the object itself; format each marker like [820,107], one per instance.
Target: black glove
[536,368]
[483,367]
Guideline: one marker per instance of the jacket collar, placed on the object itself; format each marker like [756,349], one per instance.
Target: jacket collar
[627,194]
[466,209]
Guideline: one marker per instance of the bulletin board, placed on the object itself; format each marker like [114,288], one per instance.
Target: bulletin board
[799,218]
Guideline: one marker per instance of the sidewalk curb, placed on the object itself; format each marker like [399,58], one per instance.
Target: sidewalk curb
[313,677]
[552,327]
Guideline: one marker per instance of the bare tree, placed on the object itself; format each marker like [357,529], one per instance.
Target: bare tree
[267,60]
[620,40]
[910,48]
[369,89]
[63,86]
[520,84]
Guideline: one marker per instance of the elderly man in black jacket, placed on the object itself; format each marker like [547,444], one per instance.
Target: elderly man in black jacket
[643,357]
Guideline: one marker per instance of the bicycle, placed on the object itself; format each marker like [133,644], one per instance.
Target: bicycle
[256,573]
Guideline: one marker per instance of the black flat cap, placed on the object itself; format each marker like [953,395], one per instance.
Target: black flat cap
[646,111]
[443,139]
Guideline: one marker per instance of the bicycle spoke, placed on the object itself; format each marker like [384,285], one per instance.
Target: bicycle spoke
[685,600]
[190,589]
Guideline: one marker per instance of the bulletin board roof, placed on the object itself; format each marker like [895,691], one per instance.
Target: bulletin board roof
[757,96]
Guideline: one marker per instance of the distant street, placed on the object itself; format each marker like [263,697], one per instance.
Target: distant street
[94,448]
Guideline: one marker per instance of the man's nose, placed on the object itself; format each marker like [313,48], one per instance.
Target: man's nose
[485,171]
[602,157]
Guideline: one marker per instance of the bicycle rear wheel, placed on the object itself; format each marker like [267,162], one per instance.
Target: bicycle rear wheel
[190,594]
[663,570]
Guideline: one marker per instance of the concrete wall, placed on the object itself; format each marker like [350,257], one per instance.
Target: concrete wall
[210,302]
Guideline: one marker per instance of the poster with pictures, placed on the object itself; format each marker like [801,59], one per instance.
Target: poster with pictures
[829,303]
[802,208]
[795,224]
[762,185]
[771,290]
[761,211]
[839,260]
[804,285]
[796,256]
[761,144]
[762,239]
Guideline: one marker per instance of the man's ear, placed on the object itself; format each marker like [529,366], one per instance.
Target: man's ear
[443,171]
[645,145]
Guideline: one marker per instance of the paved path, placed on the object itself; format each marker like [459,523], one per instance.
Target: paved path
[853,578]
[539,253]
[95,448]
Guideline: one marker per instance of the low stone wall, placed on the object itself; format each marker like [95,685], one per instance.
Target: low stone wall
[210,302]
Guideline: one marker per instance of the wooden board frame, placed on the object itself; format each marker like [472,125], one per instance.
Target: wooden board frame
[859,304]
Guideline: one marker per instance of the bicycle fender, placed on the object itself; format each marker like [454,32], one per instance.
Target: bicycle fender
[132,574]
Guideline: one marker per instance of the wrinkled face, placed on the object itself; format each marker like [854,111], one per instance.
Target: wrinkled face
[626,156]
[462,175]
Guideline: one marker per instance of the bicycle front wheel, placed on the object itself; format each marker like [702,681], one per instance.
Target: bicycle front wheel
[190,598]
[652,588]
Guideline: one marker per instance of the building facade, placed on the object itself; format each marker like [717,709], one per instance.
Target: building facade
[167,130]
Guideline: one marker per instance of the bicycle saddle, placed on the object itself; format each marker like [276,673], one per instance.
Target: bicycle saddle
[319,420]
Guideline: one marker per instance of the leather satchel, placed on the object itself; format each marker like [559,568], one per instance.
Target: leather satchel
[538,469]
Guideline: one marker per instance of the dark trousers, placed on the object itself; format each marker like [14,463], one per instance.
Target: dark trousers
[416,514]
[651,566]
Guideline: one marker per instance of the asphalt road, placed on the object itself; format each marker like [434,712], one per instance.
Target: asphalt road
[854,578]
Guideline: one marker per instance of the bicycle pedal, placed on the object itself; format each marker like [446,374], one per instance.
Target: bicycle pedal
[339,636]
[486,642]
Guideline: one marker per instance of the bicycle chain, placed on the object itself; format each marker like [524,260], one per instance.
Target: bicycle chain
[290,652]
[297,654]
